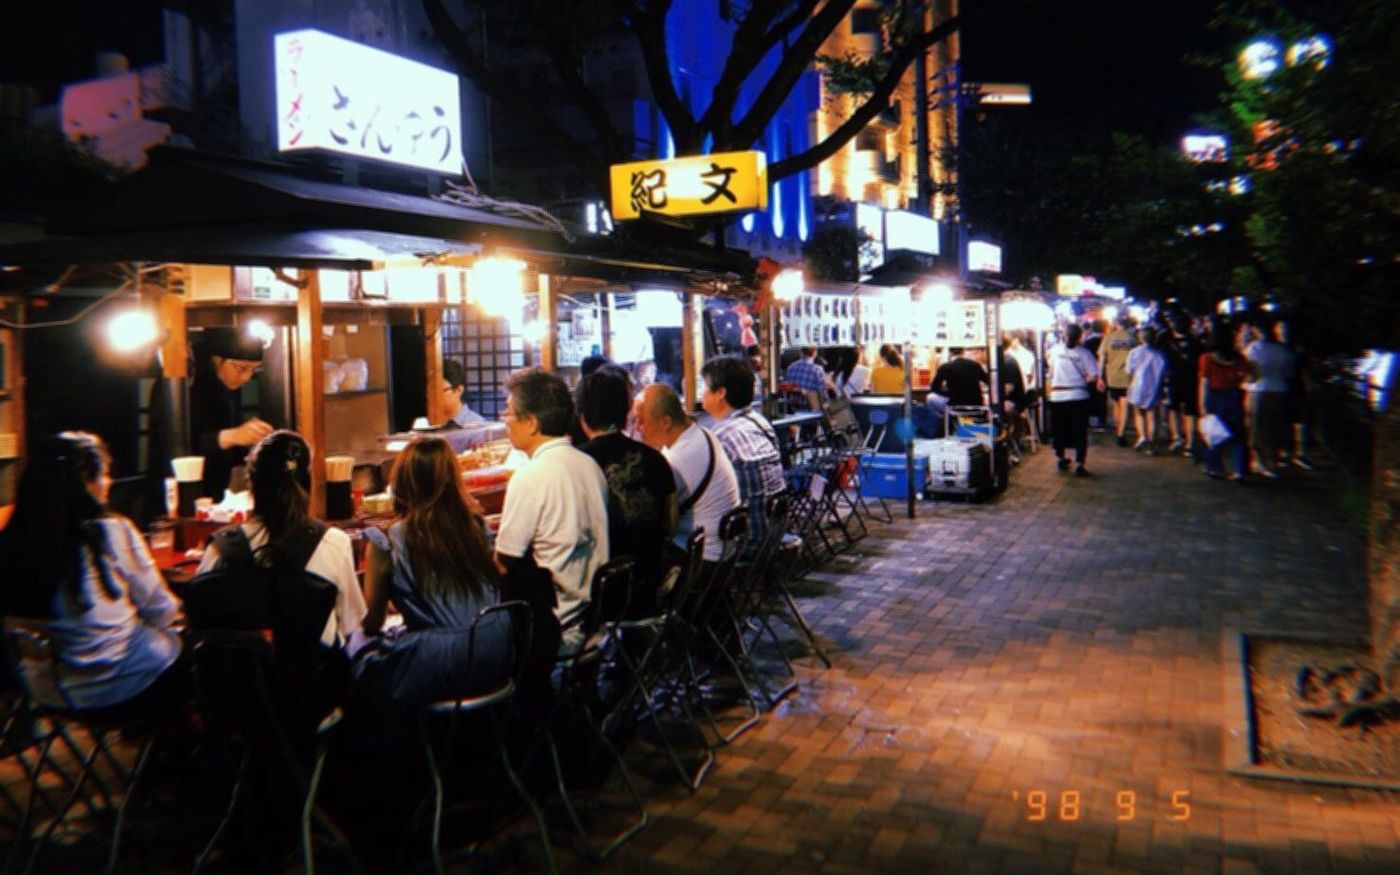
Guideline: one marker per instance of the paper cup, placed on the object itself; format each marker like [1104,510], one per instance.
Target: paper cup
[339,468]
[188,468]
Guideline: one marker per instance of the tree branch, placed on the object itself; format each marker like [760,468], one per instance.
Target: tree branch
[796,60]
[458,45]
[752,42]
[649,24]
[878,100]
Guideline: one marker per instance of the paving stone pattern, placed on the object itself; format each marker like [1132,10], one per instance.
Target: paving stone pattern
[1066,641]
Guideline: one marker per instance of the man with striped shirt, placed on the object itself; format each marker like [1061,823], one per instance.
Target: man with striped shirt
[747,438]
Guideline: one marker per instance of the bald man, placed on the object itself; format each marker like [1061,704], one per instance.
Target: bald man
[706,485]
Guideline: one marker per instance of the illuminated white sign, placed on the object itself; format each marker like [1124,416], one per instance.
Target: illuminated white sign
[343,97]
[906,230]
[870,219]
[1204,147]
[983,256]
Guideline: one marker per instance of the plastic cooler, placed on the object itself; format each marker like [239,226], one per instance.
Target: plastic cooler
[887,476]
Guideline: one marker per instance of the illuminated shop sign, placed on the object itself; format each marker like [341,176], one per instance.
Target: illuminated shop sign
[340,96]
[983,256]
[724,182]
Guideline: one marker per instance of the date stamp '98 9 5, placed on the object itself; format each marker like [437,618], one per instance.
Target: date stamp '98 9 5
[1043,806]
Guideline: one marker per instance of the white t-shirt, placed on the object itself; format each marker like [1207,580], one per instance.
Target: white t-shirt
[857,382]
[1071,372]
[689,457]
[557,504]
[1026,359]
[334,560]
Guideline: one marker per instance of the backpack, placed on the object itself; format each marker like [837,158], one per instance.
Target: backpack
[288,607]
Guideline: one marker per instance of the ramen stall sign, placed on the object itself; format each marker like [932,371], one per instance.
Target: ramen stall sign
[340,96]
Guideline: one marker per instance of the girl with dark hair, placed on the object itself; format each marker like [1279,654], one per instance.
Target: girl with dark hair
[434,564]
[1072,372]
[888,376]
[84,577]
[1223,374]
[283,534]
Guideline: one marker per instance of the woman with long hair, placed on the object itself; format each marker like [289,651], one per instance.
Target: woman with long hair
[434,564]
[887,378]
[283,534]
[84,577]
[1223,374]
[1073,372]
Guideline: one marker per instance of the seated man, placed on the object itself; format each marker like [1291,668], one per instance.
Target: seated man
[747,438]
[641,489]
[454,380]
[807,375]
[706,486]
[961,380]
[555,515]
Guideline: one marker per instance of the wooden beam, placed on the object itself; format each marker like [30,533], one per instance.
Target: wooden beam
[549,342]
[309,381]
[170,309]
[432,363]
[605,323]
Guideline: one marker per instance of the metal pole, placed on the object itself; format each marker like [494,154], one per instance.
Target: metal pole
[909,423]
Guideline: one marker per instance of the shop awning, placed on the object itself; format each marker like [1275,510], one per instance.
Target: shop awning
[191,207]
[338,248]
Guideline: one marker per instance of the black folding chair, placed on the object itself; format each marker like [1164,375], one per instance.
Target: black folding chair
[267,688]
[494,702]
[660,680]
[609,598]
[49,706]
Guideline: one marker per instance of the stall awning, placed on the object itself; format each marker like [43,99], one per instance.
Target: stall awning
[196,208]
[339,248]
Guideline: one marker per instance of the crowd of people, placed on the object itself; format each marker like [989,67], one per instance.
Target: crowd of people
[1234,395]
[644,475]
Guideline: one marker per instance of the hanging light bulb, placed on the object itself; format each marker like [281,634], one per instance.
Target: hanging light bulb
[497,286]
[132,330]
[260,331]
[788,285]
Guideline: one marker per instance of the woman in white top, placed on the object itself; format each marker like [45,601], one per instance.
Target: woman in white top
[1072,371]
[855,379]
[279,472]
[84,577]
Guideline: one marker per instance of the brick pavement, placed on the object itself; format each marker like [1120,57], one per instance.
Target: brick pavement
[1066,639]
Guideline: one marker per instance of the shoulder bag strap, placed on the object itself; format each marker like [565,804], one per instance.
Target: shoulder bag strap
[704,481]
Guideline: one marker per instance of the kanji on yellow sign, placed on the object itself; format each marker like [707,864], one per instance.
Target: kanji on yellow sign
[720,183]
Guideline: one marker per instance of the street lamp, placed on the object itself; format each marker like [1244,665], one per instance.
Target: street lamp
[1263,57]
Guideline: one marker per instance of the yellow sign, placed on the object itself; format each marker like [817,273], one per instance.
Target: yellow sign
[1069,284]
[725,182]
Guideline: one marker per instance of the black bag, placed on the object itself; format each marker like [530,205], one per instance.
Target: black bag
[288,606]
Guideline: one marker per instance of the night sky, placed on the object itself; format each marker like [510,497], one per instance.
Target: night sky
[1106,64]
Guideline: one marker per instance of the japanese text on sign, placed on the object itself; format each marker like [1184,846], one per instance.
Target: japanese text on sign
[344,97]
[720,183]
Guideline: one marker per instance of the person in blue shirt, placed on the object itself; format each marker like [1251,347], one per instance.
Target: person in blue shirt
[807,375]
[454,380]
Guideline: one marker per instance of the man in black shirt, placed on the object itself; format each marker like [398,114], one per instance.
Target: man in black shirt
[219,431]
[642,508]
[960,380]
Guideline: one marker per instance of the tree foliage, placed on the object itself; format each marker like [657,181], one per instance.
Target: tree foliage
[795,30]
[1112,206]
[1320,141]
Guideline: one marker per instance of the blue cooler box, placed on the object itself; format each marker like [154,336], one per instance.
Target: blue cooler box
[885,476]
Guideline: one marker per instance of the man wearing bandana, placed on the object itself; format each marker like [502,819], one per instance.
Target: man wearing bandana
[218,430]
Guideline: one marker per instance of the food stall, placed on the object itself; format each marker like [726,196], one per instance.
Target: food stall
[337,276]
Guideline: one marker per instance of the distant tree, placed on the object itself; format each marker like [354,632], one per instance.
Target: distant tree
[834,251]
[1114,206]
[1319,140]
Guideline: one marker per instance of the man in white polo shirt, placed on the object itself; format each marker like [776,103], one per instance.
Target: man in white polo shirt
[555,511]
[705,483]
